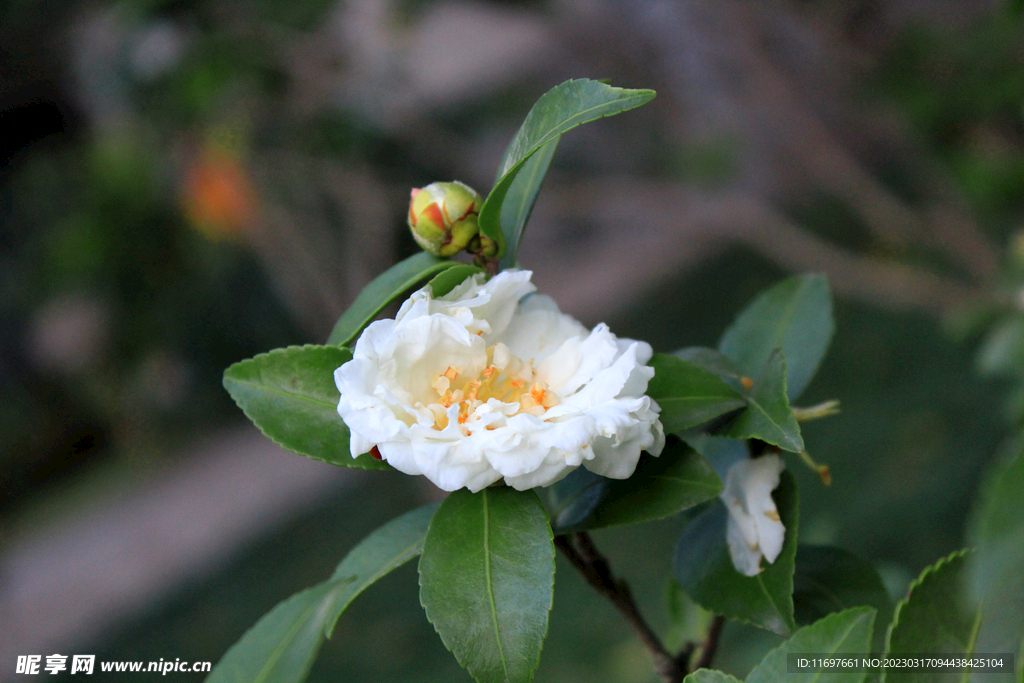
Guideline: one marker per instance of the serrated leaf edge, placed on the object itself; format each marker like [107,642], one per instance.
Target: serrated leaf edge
[551,601]
[790,446]
[916,583]
[804,279]
[282,351]
[868,611]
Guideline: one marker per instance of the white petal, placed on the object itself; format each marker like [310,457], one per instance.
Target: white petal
[552,470]
[610,382]
[391,391]
[578,360]
[753,517]
[538,328]
[494,302]
[747,560]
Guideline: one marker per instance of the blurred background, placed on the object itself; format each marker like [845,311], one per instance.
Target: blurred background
[186,183]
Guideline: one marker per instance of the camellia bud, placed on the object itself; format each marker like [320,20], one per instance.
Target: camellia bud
[443,216]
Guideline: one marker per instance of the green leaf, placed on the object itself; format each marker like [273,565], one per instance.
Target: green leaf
[710,676]
[385,288]
[995,574]
[380,553]
[283,645]
[842,633]
[703,567]
[676,480]
[794,315]
[571,501]
[486,581]
[449,279]
[291,396]
[688,394]
[934,618]
[1020,662]
[688,621]
[722,453]
[559,110]
[829,579]
[768,416]
[521,197]
[1003,348]
[713,361]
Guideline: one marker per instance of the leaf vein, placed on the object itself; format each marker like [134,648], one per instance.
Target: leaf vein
[275,655]
[490,583]
[281,392]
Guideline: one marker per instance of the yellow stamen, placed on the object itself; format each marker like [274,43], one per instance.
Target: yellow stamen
[506,378]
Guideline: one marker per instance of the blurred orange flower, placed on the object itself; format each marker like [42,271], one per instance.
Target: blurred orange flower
[217,195]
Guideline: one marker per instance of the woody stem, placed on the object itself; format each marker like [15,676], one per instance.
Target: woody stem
[580,550]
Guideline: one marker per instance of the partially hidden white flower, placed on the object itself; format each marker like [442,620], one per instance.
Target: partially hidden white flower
[493,382]
[755,529]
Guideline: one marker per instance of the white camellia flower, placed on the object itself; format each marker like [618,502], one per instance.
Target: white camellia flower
[755,529]
[492,382]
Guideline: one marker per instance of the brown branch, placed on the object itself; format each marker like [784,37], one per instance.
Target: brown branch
[584,555]
[710,643]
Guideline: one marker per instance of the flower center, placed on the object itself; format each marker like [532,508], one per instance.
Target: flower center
[506,378]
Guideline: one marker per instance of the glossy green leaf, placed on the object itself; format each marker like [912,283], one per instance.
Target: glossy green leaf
[768,416]
[710,676]
[996,569]
[447,280]
[559,110]
[794,315]
[829,579]
[842,633]
[703,567]
[291,396]
[713,361]
[522,195]
[934,618]
[486,581]
[720,452]
[380,553]
[571,501]
[676,480]
[688,394]
[283,645]
[385,288]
